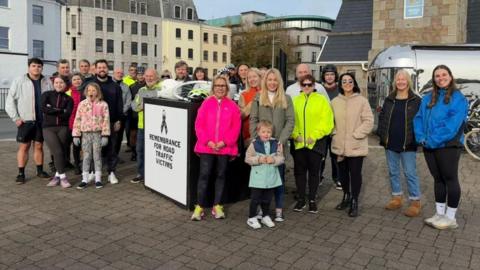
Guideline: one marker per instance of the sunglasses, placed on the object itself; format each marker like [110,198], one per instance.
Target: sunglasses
[220,85]
[165,77]
[347,81]
[307,84]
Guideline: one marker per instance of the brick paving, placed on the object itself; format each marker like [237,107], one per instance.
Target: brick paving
[128,227]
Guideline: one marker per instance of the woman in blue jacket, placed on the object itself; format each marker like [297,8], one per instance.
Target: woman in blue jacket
[438,127]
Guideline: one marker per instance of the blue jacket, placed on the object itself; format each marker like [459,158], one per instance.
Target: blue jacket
[264,175]
[442,125]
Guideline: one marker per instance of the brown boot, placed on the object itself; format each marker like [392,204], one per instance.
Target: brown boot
[394,203]
[414,209]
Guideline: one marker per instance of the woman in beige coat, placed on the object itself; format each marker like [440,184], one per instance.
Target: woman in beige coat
[353,123]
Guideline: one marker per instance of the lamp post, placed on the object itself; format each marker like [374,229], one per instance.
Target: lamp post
[273,49]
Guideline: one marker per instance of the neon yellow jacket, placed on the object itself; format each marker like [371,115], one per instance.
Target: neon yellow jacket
[128,80]
[313,118]
[144,92]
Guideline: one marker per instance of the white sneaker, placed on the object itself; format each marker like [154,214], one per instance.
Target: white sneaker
[430,221]
[253,222]
[91,177]
[267,221]
[112,179]
[445,223]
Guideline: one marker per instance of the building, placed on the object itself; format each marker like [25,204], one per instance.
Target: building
[306,33]
[28,29]
[216,48]
[373,25]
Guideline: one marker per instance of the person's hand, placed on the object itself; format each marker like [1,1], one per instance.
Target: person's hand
[220,145]
[262,160]
[211,145]
[310,140]
[269,160]
[19,122]
[76,141]
[104,141]
[299,139]
[117,126]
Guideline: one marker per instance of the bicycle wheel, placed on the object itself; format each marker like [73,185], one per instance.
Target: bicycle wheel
[472,143]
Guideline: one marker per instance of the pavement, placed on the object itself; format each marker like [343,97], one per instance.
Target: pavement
[125,226]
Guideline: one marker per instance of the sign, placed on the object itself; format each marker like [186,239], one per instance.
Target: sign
[166,160]
[413,9]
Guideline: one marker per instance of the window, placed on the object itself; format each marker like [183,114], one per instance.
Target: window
[205,55]
[155,30]
[178,12]
[74,43]
[134,49]
[190,34]
[110,23]
[178,52]
[4,37]
[308,39]
[133,6]
[37,13]
[224,39]
[3,3]
[298,56]
[134,27]
[109,45]
[143,8]
[215,57]
[111,65]
[38,48]
[215,38]
[178,33]
[224,57]
[144,49]
[144,29]
[123,26]
[205,37]
[74,21]
[190,14]
[214,73]
[74,64]
[190,53]
[97,4]
[298,39]
[99,23]
[99,45]
[122,47]
[314,56]
[107,4]
[155,50]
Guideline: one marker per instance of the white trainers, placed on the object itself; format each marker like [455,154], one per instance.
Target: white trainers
[259,214]
[445,223]
[267,221]
[430,221]
[253,223]
[112,179]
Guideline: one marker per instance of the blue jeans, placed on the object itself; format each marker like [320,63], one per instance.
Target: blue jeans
[141,152]
[280,190]
[409,164]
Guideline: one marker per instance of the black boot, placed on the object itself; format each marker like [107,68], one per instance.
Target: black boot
[134,156]
[353,212]
[344,203]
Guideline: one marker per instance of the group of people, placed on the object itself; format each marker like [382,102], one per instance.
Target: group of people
[91,110]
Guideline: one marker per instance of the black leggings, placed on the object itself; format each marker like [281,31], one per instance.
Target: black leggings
[307,161]
[262,197]
[209,162]
[56,138]
[443,166]
[350,170]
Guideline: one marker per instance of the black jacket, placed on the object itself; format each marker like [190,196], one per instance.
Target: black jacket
[57,108]
[412,106]
[112,94]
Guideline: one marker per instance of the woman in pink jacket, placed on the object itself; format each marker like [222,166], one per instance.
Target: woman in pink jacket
[217,127]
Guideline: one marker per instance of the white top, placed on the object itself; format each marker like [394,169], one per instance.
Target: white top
[295,89]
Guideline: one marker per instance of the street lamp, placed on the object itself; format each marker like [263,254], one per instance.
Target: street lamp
[273,48]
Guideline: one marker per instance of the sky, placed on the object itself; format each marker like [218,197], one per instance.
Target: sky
[210,9]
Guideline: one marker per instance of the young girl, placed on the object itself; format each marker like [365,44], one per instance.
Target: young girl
[264,155]
[92,123]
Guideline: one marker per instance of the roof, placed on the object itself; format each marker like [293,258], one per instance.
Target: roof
[295,17]
[225,21]
[352,27]
[473,21]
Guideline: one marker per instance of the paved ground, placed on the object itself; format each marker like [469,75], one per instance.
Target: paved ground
[128,227]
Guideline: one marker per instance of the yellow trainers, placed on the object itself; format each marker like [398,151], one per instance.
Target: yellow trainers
[217,211]
[197,213]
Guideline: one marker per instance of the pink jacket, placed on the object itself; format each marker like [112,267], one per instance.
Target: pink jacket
[77,97]
[91,117]
[218,121]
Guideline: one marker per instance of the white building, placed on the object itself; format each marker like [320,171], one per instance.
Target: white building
[28,28]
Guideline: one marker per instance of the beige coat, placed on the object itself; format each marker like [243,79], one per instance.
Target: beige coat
[353,123]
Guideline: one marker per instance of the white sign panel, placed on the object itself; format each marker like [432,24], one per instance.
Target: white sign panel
[413,9]
[166,130]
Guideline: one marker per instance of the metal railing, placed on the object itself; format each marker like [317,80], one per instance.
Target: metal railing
[3,98]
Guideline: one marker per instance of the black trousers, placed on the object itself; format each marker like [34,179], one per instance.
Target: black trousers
[208,163]
[307,161]
[262,197]
[333,161]
[119,138]
[350,170]
[56,138]
[109,152]
[443,166]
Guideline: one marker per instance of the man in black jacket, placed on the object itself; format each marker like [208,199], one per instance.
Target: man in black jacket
[112,94]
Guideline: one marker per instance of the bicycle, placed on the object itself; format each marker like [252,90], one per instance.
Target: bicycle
[472,143]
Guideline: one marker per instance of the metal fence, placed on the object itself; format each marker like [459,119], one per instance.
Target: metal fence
[3,98]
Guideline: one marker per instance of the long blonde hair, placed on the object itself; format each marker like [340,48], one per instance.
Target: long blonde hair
[280,99]
[403,72]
